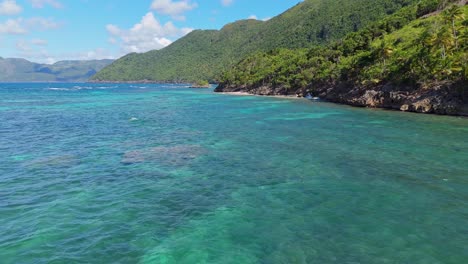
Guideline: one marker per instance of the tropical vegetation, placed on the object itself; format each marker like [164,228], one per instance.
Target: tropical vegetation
[421,45]
[204,54]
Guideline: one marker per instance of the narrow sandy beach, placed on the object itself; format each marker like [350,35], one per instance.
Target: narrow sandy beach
[249,94]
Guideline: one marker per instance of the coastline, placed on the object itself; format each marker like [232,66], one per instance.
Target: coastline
[273,96]
[138,81]
[432,101]
[442,100]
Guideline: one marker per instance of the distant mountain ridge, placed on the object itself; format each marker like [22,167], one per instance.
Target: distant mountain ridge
[204,54]
[22,70]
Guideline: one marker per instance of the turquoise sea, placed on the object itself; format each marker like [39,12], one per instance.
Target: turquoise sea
[145,173]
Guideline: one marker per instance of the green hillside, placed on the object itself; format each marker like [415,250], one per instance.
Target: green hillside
[401,49]
[21,70]
[418,53]
[203,54]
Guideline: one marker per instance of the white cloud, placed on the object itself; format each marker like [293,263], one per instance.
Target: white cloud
[10,7]
[12,27]
[41,23]
[43,3]
[256,18]
[25,49]
[174,9]
[113,30]
[147,35]
[39,42]
[227,2]
[31,54]
[95,54]
[23,46]
[20,25]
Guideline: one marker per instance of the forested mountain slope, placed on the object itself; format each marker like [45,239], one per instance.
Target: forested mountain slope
[414,60]
[21,70]
[203,54]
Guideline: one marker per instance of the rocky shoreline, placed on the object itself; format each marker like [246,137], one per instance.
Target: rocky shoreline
[138,82]
[194,86]
[441,99]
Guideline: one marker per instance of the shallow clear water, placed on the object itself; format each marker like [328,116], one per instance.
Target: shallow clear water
[94,173]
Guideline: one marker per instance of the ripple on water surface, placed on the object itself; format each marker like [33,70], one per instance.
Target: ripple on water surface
[99,173]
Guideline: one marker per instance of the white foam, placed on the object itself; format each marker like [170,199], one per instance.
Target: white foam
[58,89]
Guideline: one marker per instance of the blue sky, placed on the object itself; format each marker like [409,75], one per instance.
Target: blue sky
[51,30]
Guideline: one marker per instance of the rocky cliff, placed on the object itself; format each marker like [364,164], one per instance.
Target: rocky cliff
[443,98]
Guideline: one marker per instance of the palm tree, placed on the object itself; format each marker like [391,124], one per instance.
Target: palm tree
[443,39]
[464,64]
[463,37]
[385,51]
[452,66]
[424,55]
[451,15]
[443,4]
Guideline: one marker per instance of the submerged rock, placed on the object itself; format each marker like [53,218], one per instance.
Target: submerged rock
[174,155]
[60,161]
